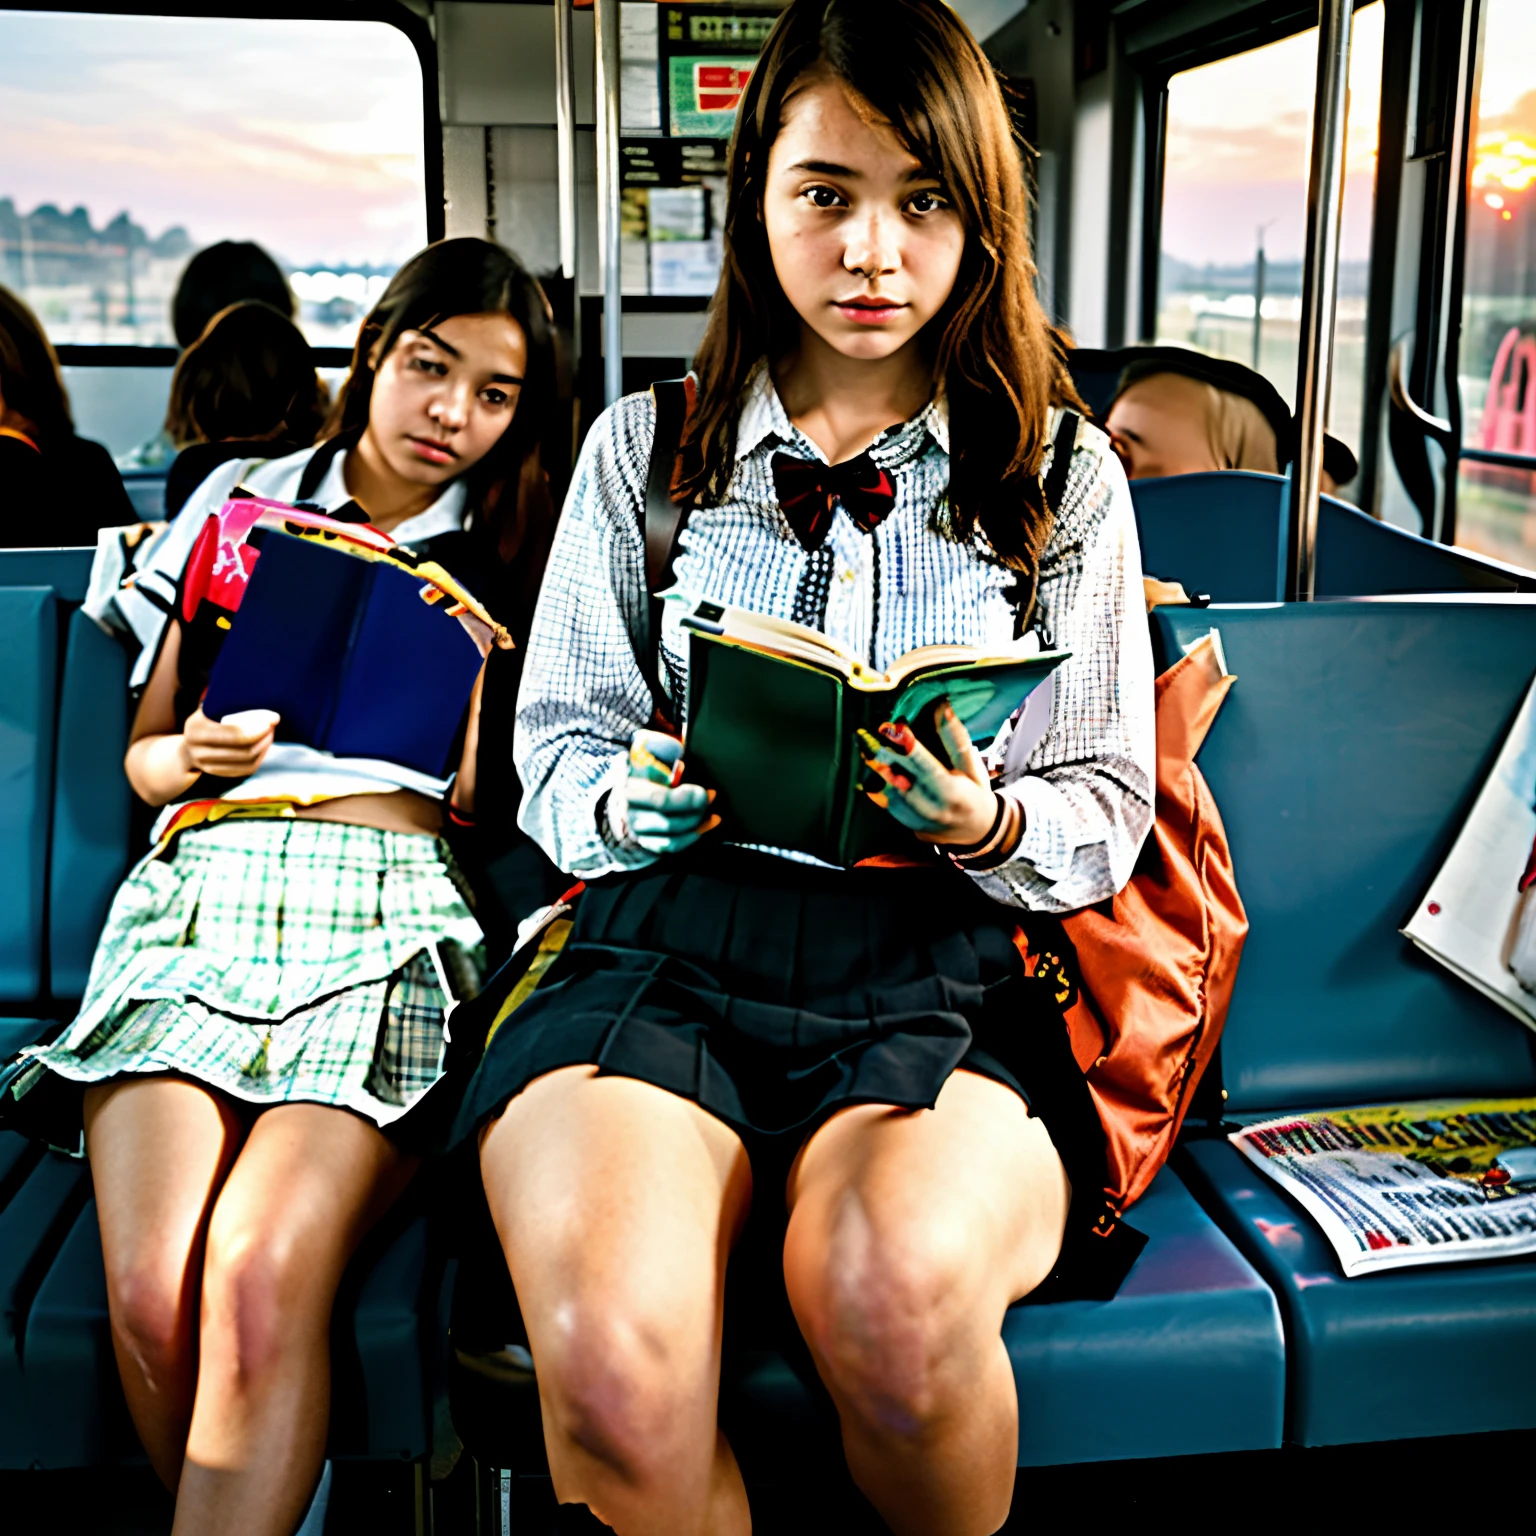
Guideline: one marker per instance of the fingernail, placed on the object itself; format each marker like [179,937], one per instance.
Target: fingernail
[710,796]
[898,736]
[900,781]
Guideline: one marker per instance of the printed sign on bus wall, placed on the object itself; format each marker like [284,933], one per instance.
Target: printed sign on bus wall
[703,94]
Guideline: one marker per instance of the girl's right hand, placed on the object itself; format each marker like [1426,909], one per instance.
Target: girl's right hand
[663,814]
[228,749]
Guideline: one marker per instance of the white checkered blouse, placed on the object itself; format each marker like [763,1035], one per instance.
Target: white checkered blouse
[1086,788]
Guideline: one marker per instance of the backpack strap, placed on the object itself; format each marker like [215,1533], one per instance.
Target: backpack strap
[664,520]
[1054,489]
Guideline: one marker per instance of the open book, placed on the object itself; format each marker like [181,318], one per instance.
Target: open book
[360,657]
[773,711]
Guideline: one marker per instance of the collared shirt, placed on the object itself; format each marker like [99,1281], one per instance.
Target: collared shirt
[1085,788]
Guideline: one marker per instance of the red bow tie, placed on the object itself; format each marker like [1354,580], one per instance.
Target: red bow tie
[808,491]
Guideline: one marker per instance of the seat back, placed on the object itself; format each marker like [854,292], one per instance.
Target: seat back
[1221,534]
[67,571]
[1344,761]
[1359,556]
[92,804]
[29,644]
[1224,534]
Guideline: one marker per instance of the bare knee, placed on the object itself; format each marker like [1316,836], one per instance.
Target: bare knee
[260,1300]
[894,1316]
[152,1310]
[618,1385]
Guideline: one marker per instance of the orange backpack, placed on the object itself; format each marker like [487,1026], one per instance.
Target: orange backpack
[1157,963]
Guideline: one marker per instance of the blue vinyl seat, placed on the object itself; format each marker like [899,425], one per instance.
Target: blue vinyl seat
[1344,762]
[1223,534]
[67,571]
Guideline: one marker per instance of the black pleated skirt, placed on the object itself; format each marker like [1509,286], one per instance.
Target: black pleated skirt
[773,993]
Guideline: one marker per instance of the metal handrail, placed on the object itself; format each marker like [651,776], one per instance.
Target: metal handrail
[1319,293]
[565,135]
[607,20]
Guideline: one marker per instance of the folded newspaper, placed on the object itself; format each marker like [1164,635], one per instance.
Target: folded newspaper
[1402,1184]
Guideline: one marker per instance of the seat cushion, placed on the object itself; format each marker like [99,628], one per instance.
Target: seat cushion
[1187,1358]
[1441,1350]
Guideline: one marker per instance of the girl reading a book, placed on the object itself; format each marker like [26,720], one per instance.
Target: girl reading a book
[258,1061]
[847,1067]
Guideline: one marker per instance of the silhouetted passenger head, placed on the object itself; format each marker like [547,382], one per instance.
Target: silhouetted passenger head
[221,275]
[1179,412]
[32,395]
[249,376]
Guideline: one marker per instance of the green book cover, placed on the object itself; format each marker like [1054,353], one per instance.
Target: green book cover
[773,711]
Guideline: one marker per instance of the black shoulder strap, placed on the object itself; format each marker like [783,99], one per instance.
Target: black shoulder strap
[1055,483]
[1054,488]
[664,520]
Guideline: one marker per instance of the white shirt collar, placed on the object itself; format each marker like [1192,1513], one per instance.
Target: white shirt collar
[445,515]
[763,416]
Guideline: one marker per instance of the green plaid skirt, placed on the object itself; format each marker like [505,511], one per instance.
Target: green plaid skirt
[277,961]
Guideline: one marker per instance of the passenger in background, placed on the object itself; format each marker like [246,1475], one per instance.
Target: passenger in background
[216,277]
[56,489]
[1178,412]
[245,389]
[257,1066]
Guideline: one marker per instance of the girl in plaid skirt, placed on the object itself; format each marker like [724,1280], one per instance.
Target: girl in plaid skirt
[260,1048]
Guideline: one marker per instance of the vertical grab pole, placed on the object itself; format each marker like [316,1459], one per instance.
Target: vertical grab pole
[607,17]
[1319,293]
[565,137]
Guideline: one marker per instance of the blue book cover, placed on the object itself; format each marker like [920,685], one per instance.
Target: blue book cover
[346,651]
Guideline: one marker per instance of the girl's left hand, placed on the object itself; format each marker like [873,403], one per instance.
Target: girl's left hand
[954,804]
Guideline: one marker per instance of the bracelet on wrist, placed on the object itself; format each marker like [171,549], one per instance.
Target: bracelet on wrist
[999,845]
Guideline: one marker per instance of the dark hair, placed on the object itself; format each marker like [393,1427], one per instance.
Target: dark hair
[221,275]
[999,362]
[29,372]
[249,375]
[509,489]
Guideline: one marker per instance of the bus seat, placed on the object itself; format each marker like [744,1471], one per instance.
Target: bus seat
[74,1402]
[1193,1330]
[67,571]
[1219,534]
[37,1216]
[92,804]
[384,1339]
[1344,762]
[29,644]
[1223,534]
[1361,556]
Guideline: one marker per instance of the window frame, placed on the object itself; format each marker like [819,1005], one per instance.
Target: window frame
[391,13]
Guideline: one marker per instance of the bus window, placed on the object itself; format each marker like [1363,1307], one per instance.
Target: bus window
[1235,210]
[127,143]
[1496,504]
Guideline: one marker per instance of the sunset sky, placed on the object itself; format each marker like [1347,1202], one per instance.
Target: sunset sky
[304,135]
[1239,138]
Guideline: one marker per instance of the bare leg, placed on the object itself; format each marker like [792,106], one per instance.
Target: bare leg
[910,1233]
[617,1204]
[159,1149]
[309,1183]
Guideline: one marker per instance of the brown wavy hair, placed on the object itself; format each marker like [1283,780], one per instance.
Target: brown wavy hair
[250,375]
[995,355]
